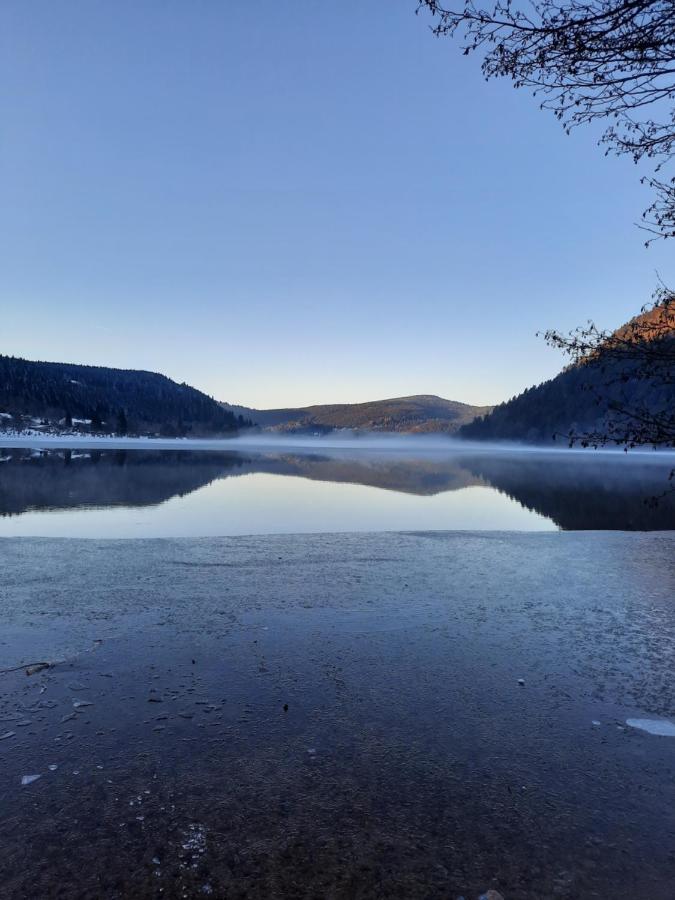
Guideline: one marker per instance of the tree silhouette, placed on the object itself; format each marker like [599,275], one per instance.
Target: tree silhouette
[642,351]
[588,61]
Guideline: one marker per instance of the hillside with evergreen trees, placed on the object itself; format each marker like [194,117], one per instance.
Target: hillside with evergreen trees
[103,400]
[577,401]
[609,393]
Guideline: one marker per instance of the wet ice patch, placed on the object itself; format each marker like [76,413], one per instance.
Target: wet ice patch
[81,704]
[29,779]
[654,726]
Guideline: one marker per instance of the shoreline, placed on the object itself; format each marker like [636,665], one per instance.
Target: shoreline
[390,443]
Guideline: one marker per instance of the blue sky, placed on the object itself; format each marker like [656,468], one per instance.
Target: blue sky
[296,202]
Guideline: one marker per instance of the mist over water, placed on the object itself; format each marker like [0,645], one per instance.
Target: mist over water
[415,445]
[343,439]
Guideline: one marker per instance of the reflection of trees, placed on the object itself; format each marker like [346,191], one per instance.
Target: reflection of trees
[582,491]
[576,491]
[70,479]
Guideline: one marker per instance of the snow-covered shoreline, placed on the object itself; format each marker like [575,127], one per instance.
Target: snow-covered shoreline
[33,440]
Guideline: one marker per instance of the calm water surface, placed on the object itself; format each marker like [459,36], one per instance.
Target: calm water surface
[192,493]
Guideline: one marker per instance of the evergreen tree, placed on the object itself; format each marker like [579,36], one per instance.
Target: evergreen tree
[122,425]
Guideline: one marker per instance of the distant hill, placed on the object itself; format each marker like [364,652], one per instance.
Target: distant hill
[98,399]
[579,399]
[421,413]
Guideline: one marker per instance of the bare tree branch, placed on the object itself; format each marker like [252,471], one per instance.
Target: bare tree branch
[588,61]
[633,366]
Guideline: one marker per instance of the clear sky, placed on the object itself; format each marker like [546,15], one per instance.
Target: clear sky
[294,202]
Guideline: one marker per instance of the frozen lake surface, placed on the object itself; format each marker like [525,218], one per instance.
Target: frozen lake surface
[422,715]
[137,488]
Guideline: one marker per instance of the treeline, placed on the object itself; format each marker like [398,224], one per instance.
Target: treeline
[583,398]
[107,400]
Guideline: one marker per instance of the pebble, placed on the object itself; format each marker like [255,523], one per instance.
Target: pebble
[37,667]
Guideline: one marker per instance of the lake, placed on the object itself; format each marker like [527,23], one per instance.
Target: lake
[256,698]
[135,490]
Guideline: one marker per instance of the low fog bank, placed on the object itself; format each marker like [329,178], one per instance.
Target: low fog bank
[406,445]
[416,444]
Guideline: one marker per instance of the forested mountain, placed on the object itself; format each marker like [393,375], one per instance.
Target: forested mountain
[105,400]
[417,414]
[605,394]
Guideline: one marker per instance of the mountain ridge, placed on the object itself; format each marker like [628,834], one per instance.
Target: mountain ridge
[35,393]
[416,413]
[588,395]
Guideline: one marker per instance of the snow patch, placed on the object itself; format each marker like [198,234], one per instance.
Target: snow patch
[662,727]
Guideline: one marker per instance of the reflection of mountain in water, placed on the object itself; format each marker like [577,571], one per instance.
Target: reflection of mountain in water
[575,492]
[423,477]
[31,480]
[585,492]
